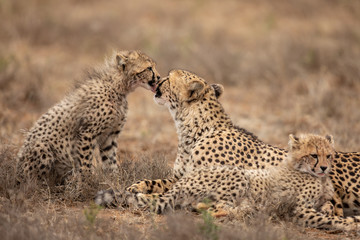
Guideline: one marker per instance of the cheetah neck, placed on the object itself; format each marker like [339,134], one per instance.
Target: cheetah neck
[115,80]
[199,119]
[122,84]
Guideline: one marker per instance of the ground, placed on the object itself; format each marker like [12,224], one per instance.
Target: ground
[287,67]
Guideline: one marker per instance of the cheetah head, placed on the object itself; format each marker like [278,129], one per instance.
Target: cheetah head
[138,68]
[312,153]
[182,88]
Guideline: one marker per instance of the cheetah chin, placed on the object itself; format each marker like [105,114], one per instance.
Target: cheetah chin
[159,101]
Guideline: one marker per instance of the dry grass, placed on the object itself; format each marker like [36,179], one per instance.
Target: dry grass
[74,225]
[288,66]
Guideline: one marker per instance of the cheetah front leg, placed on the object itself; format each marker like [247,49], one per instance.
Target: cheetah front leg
[309,217]
[333,207]
[338,206]
[178,195]
[108,152]
[113,198]
[216,209]
[328,208]
[158,185]
[83,153]
[134,195]
[152,186]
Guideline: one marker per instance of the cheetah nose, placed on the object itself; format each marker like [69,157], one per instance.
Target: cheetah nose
[151,83]
[323,168]
[158,93]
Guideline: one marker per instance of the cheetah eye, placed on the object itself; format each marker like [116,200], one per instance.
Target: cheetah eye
[149,68]
[328,156]
[314,155]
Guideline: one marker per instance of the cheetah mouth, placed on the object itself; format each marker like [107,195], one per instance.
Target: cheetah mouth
[152,85]
[153,89]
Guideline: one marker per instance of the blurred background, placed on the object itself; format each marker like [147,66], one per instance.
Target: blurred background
[288,66]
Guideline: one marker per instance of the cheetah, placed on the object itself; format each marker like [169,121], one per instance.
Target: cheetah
[63,140]
[208,137]
[300,183]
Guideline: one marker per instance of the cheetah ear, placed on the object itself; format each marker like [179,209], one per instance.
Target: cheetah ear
[330,139]
[218,88]
[195,89]
[122,59]
[293,141]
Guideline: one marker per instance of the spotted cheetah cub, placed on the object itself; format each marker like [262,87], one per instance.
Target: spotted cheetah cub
[63,140]
[300,184]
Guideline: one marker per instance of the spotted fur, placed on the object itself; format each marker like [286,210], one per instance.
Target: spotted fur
[207,137]
[300,184]
[63,140]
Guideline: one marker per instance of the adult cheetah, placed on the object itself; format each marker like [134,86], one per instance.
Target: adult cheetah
[207,137]
[63,140]
[300,184]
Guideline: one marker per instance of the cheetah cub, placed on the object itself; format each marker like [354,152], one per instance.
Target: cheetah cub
[63,140]
[300,184]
